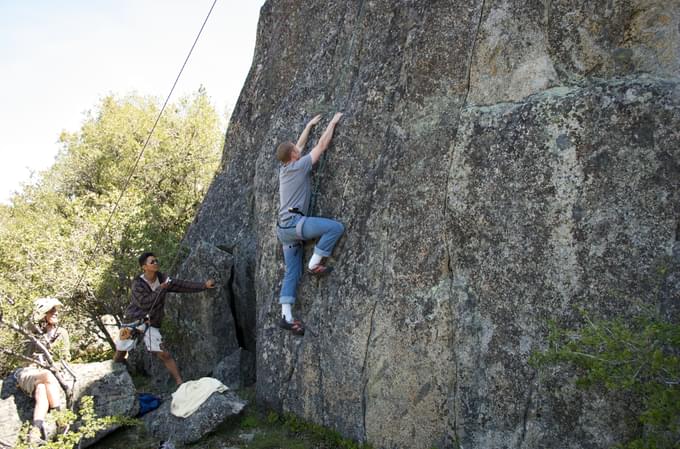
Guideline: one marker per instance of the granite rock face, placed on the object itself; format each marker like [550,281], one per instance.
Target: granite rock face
[236,370]
[500,164]
[205,328]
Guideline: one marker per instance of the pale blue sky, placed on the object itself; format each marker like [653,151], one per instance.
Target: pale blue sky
[58,58]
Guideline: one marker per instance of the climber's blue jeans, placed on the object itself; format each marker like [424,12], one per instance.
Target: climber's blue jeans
[329,232]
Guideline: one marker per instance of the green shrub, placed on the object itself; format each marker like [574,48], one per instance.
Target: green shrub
[639,356]
[272,417]
[89,424]
[250,422]
[323,434]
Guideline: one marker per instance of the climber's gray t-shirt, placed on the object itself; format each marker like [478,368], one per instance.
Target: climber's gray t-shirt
[295,187]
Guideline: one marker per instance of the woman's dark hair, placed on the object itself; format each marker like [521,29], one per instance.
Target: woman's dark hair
[144,256]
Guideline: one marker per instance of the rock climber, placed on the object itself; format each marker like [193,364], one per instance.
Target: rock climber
[294,225]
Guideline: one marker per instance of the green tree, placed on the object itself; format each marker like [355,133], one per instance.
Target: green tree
[638,356]
[52,238]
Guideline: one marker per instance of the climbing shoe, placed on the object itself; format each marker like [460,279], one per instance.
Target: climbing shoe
[295,327]
[319,270]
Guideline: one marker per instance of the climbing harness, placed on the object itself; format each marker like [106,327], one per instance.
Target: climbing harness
[298,226]
[136,330]
[132,333]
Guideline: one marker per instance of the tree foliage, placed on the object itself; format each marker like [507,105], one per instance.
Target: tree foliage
[54,238]
[639,356]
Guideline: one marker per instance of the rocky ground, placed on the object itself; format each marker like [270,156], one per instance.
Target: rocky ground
[255,428]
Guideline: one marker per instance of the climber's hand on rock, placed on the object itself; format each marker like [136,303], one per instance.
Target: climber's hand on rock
[336,118]
[210,283]
[315,120]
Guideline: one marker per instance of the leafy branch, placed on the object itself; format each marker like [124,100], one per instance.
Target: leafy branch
[639,357]
[85,426]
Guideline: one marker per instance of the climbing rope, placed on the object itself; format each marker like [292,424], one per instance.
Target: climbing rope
[102,233]
[317,183]
[319,169]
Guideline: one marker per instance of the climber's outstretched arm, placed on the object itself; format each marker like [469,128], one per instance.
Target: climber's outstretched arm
[302,141]
[325,139]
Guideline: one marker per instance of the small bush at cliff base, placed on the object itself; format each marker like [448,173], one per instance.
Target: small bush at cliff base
[290,431]
[639,356]
[88,427]
[297,425]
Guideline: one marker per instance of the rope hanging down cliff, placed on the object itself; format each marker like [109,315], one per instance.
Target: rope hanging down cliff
[104,230]
[322,162]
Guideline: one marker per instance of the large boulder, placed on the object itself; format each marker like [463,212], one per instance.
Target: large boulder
[108,383]
[218,407]
[500,164]
[236,370]
[15,409]
[205,323]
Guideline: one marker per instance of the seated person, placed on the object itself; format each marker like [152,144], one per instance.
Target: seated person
[39,382]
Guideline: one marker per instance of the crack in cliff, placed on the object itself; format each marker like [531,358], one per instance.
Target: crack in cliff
[364,392]
[456,438]
[289,375]
[449,260]
[350,51]
[383,268]
[340,105]
[291,370]
[527,407]
[449,263]
[324,298]
[232,306]
[546,19]
[453,386]
[472,55]
[322,394]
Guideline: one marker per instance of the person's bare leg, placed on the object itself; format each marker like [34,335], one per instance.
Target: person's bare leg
[53,389]
[119,356]
[170,364]
[42,404]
